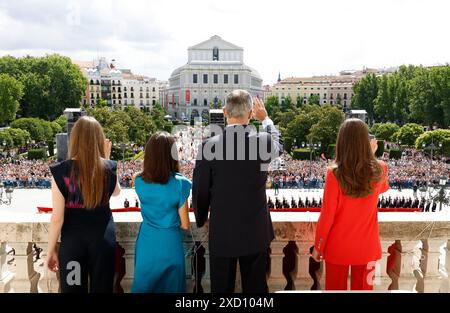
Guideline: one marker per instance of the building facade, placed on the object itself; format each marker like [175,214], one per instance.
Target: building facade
[118,87]
[336,90]
[215,67]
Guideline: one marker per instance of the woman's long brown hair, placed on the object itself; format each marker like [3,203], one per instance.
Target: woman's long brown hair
[87,148]
[159,160]
[356,167]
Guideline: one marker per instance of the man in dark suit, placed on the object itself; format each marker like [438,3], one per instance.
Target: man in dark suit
[229,180]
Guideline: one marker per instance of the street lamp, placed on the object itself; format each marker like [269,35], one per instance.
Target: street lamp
[4,148]
[123,146]
[312,147]
[432,147]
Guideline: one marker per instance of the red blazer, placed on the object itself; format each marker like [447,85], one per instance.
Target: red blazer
[347,230]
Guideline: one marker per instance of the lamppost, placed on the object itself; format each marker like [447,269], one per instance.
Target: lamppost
[312,147]
[432,147]
[4,148]
[123,146]
[8,192]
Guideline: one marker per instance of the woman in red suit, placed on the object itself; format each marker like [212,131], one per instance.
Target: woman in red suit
[347,230]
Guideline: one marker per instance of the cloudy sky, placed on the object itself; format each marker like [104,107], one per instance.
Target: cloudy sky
[295,37]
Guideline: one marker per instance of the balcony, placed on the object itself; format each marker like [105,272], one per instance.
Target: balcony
[416,252]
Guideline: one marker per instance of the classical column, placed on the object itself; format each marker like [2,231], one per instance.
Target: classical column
[6,276]
[407,263]
[129,247]
[304,281]
[429,264]
[385,266]
[276,281]
[445,287]
[26,279]
[48,281]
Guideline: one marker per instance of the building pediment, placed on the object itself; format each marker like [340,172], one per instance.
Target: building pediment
[215,41]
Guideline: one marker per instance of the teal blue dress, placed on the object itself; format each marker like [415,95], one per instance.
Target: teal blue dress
[159,260]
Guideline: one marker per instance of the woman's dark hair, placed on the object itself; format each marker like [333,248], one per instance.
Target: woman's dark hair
[356,167]
[160,158]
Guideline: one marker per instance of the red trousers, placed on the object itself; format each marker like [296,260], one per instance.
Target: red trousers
[362,276]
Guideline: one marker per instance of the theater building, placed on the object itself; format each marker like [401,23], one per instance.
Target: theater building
[214,68]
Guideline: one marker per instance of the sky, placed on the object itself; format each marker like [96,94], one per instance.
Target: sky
[293,37]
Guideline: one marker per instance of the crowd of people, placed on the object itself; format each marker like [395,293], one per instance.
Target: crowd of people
[409,172]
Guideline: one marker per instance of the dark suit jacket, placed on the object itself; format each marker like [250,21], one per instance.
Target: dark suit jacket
[234,190]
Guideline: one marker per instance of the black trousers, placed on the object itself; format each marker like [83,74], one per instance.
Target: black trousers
[87,260]
[253,270]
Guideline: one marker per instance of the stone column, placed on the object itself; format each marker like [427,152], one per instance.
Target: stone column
[304,281]
[382,278]
[407,263]
[26,279]
[430,264]
[276,281]
[48,281]
[6,276]
[129,247]
[445,287]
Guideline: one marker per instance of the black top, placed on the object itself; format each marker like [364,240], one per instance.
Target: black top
[234,190]
[75,214]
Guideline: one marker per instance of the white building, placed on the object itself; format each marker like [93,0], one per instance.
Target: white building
[118,87]
[215,67]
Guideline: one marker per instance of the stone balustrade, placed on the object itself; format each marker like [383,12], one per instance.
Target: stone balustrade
[416,253]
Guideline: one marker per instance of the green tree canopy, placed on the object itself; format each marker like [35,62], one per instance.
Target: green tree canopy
[384,131]
[436,137]
[408,134]
[11,91]
[50,84]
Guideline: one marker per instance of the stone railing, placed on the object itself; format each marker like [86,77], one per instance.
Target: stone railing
[416,253]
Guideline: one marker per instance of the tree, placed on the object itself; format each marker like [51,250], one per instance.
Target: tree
[5,137]
[382,103]
[19,136]
[299,101]
[158,117]
[34,126]
[62,121]
[435,136]
[287,104]
[11,91]
[408,134]
[51,84]
[326,129]
[384,131]
[272,106]
[365,93]
[338,99]
[314,99]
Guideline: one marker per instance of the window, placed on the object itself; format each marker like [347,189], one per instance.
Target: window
[132,89]
[124,88]
[141,89]
[324,95]
[345,96]
[225,78]
[141,96]
[125,95]
[195,101]
[205,78]
[236,78]
[132,95]
[153,89]
[153,102]
[195,78]
[216,54]
[216,79]
[205,102]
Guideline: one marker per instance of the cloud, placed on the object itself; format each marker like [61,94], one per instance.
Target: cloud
[295,37]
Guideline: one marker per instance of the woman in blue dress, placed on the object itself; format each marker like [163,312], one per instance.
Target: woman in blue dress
[163,193]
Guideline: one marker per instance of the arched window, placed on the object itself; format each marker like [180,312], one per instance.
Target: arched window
[205,102]
[215,54]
